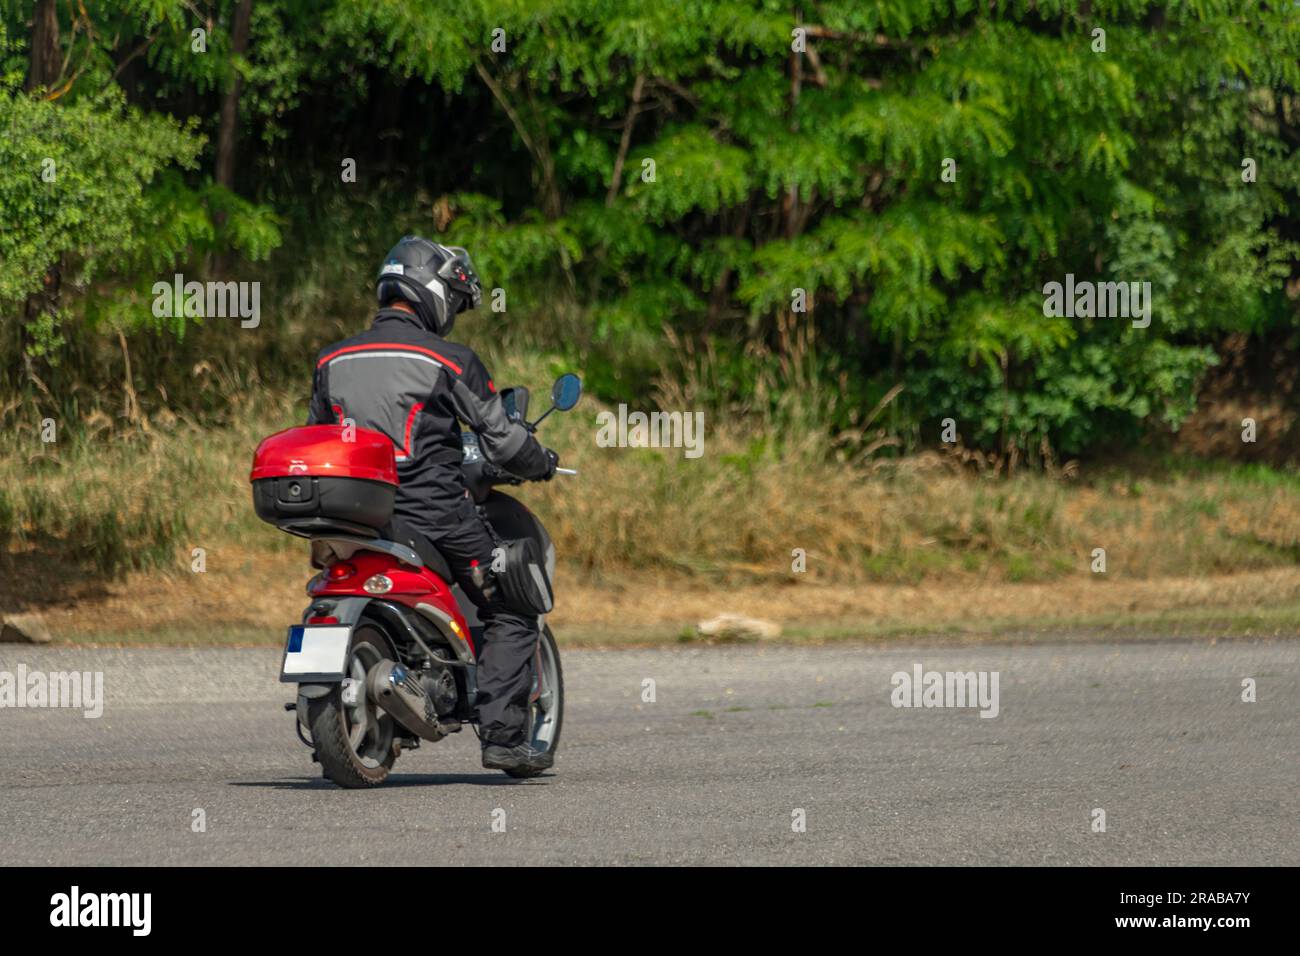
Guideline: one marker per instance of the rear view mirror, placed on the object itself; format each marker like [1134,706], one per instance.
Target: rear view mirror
[566,391]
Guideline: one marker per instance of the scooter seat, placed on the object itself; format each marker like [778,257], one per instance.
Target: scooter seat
[402,533]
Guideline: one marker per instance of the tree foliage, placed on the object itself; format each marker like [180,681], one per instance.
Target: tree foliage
[673,172]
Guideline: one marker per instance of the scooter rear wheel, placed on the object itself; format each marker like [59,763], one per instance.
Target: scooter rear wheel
[354,739]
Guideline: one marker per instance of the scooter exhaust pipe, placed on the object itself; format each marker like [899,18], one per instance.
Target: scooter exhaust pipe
[398,691]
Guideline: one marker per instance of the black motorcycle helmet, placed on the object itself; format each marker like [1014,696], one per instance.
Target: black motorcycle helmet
[438,281]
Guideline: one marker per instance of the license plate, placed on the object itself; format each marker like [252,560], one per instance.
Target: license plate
[315,653]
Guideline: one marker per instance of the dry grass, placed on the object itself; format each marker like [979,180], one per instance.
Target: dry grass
[252,603]
[651,539]
[739,512]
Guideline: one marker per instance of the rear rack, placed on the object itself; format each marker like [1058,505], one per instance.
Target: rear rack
[342,546]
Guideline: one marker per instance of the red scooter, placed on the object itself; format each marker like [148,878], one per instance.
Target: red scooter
[386,651]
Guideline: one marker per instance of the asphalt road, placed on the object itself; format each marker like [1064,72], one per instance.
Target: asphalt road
[713,772]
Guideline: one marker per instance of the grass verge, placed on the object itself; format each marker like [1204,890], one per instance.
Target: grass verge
[104,531]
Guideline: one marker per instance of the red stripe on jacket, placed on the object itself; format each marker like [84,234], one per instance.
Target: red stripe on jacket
[410,420]
[393,345]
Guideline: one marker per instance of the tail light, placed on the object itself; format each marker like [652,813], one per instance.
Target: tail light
[340,570]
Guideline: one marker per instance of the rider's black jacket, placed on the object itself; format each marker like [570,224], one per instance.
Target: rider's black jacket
[402,380]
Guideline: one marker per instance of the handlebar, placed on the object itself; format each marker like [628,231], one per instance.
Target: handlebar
[481,474]
[495,474]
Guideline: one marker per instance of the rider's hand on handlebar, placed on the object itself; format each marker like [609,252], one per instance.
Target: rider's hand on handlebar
[553,462]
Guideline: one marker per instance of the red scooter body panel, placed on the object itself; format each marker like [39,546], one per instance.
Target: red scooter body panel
[321,451]
[411,586]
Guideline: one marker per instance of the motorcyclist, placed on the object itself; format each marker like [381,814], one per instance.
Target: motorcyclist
[403,378]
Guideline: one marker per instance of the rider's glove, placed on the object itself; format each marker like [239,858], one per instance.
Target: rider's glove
[552,462]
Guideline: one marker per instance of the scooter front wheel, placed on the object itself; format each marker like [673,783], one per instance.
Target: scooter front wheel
[354,739]
[546,700]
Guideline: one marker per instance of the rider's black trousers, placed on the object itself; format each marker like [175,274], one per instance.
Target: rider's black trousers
[505,659]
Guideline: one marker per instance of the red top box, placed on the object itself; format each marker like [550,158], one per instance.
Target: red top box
[320,451]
